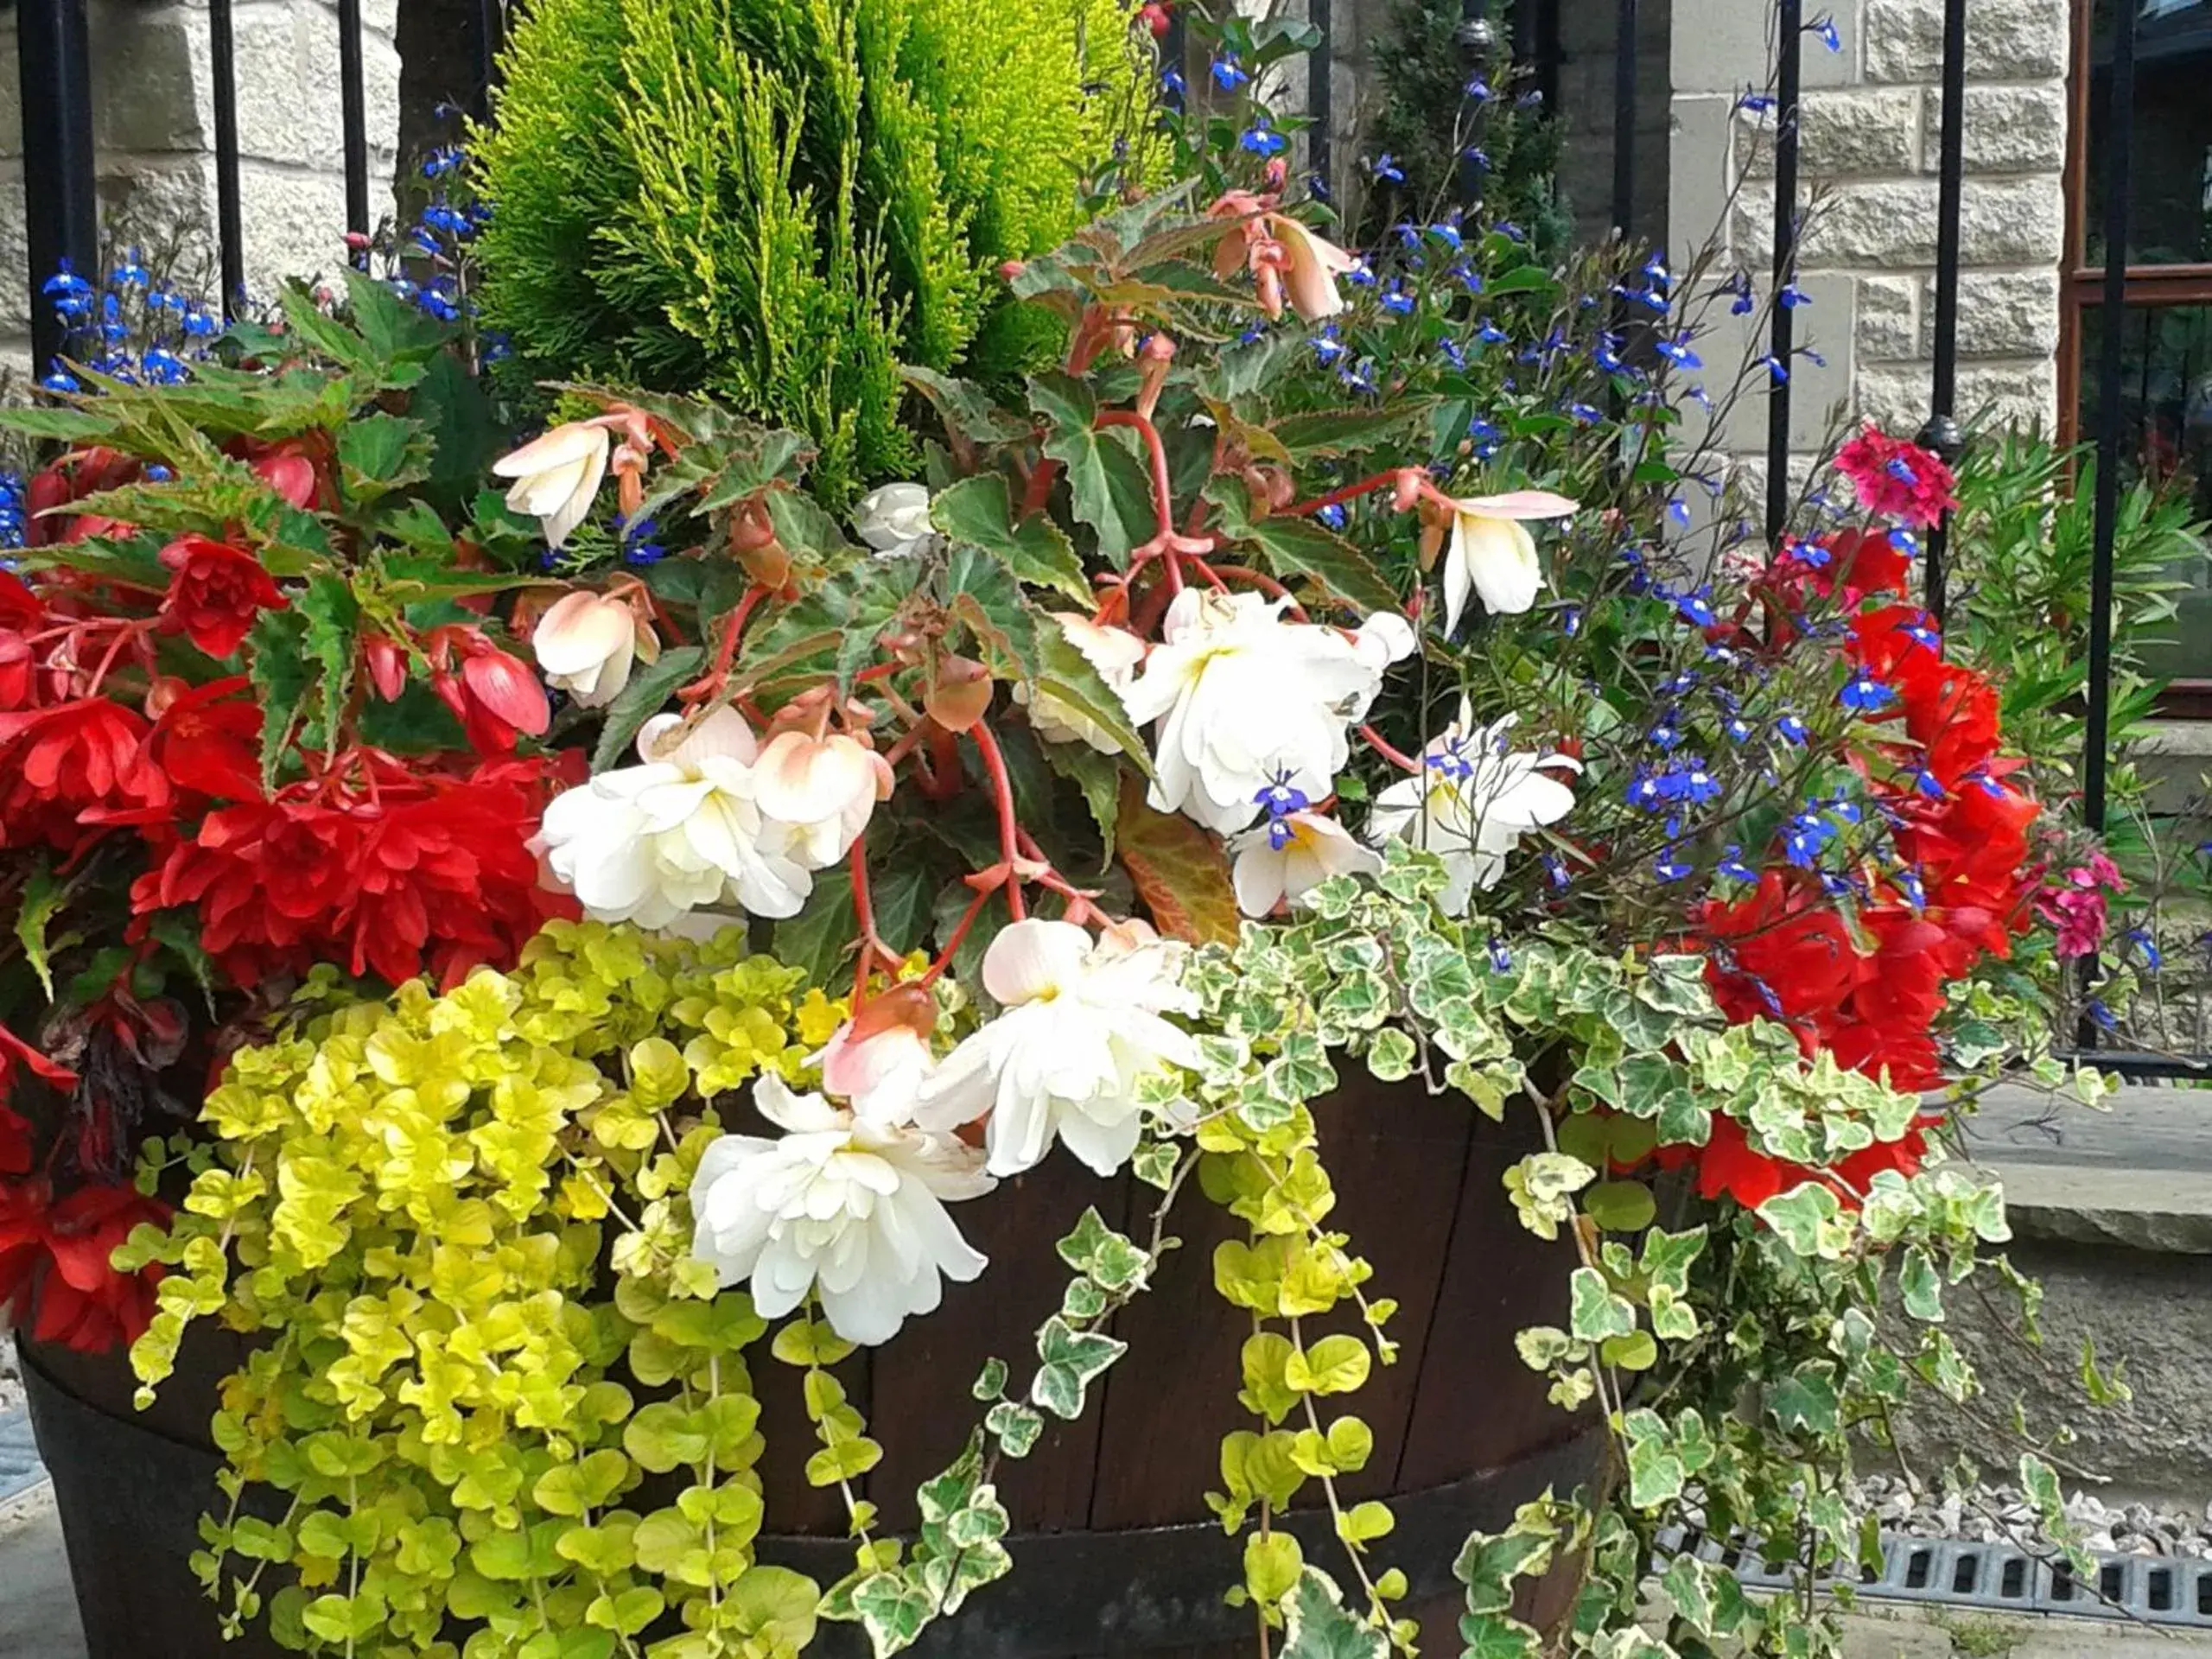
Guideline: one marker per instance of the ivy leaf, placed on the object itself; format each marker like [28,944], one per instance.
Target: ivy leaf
[1493,1635]
[1016,1426]
[1598,1312]
[1655,1473]
[1106,1255]
[1920,1286]
[1072,1359]
[649,688]
[1300,547]
[1806,1399]
[1317,1626]
[978,511]
[1177,870]
[1806,1218]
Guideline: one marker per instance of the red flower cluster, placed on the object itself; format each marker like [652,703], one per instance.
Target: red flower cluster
[1897,479]
[1727,1166]
[69,771]
[379,868]
[56,1278]
[1870,990]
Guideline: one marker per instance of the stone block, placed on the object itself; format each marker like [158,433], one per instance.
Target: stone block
[1698,173]
[2010,393]
[2001,313]
[294,225]
[1891,224]
[14,253]
[11,114]
[2006,40]
[1888,328]
[2011,221]
[1842,133]
[1723,46]
[2007,130]
[151,80]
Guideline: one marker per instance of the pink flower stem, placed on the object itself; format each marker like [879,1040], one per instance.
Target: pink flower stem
[1009,832]
[1337,497]
[711,683]
[1375,741]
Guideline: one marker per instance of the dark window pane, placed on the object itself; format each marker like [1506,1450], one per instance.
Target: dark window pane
[2169,133]
[2165,434]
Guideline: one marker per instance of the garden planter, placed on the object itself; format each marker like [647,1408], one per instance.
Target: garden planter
[131,1487]
[1116,1552]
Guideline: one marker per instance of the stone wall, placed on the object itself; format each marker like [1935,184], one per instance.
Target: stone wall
[154,125]
[1867,169]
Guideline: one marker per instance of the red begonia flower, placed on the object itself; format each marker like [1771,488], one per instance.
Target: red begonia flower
[216,593]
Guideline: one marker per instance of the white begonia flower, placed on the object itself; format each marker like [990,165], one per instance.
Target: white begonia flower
[1115,652]
[1082,1026]
[894,519]
[1288,857]
[879,1058]
[585,645]
[1491,554]
[557,474]
[1244,699]
[1385,638]
[849,1209]
[681,832]
[1472,802]
[823,788]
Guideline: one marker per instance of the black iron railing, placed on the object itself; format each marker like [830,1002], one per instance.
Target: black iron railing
[55,63]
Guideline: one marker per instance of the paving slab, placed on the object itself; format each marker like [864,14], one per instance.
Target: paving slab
[2139,1175]
[38,1607]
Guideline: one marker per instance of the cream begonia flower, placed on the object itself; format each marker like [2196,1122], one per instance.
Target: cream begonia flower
[586,643]
[1492,556]
[1309,277]
[557,474]
[894,519]
[1115,652]
[1286,858]
[1245,700]
[1472,802]
[681,832]
[879,1058]
[846,1208]
[1082,1026]
[823,788]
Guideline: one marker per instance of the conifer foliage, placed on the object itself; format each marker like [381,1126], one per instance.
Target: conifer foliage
[776,201]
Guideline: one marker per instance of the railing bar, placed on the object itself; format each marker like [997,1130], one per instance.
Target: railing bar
[355,114]
[1476,39]
[1791,26]
[1942,432]
[2119,135]
[490,27]
[60,208]
[2120,122]
[1320,94]
[1624,115]
[230,234]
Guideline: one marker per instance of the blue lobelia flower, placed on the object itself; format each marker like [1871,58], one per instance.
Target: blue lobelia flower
[1866,694]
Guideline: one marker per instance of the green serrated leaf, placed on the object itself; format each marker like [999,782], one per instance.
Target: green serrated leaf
[978,511]
[1299,548]
[646,694]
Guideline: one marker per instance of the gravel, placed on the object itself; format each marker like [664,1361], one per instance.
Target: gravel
[1991,1514]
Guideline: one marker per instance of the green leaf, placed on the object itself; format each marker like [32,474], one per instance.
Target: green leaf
[1346,432]
[1598,1312]
[965,408]
[1016,1426]
[1335,1364]
[1063,671]
[1109,486]
[282,668]
[1317,1626]
[1295,548]
[331,615]
[40,903]
[1620,1206]
[1072,1359]
[649,688]
[978,511]
[1098,777]
[379,453]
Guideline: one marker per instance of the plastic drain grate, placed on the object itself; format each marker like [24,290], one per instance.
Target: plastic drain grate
[2001,1578]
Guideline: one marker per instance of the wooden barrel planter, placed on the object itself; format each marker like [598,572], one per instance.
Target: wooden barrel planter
[1115,1555]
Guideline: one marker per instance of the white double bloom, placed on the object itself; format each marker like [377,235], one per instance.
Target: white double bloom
[841,1206]
[1472,802]
[1081,1028]
[1244,699]
[710,819]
